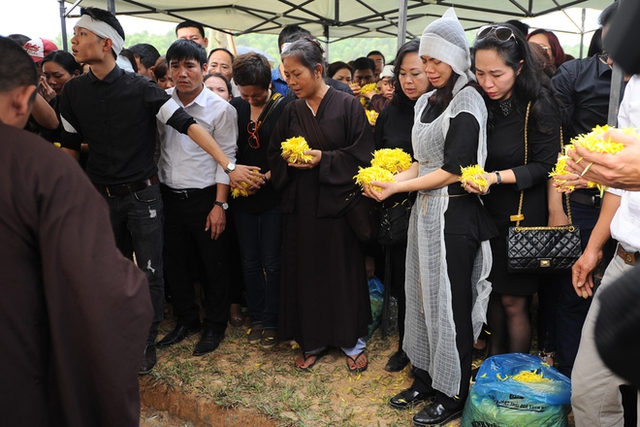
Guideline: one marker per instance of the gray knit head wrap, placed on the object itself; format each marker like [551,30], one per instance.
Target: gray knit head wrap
[444,40]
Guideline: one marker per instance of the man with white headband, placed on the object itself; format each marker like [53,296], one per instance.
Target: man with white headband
[115,112]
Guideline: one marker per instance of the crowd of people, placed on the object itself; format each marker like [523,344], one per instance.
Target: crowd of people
[181,155]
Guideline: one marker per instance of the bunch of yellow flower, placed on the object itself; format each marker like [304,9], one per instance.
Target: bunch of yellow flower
[295,148]
[366,176]
[371,87]
[240,192]
[526,377]
[392,159]
[372,115]
[474,174]
[593,142]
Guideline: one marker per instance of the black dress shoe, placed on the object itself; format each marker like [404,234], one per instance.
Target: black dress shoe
[178,334]
[397,362]
[407,398]
[210,341]
[435,414]
[148,360]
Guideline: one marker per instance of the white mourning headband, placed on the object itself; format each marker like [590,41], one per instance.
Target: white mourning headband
[104,30]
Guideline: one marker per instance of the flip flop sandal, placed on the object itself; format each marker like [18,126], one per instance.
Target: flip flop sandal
[307,356]
[355,363]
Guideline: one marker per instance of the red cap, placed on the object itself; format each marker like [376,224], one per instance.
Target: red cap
[39,48]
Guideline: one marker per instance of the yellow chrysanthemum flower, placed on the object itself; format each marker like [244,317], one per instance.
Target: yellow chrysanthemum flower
[531,377]
[372,116]
[474,174]
[594,142]
[371,87]
[295,148]
[392,159]
[240,192]
[366,176]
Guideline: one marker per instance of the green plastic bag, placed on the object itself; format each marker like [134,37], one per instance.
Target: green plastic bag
[496,400]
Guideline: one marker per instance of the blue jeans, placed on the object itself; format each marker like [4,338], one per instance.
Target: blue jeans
[137,219]
[260,238]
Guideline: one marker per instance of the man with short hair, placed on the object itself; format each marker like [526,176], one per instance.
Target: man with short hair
[221,61]
[74,311]
[115,112]
[378,58]
[364,72]
[191,30]
[146,56]
[195,190]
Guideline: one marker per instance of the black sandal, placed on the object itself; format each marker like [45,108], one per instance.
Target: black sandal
[307,356]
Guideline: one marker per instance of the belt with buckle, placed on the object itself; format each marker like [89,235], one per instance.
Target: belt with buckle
[184,194]
[629,258]
[586,199]
[124,189]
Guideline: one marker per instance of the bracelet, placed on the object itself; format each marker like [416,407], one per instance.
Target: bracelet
[498,177]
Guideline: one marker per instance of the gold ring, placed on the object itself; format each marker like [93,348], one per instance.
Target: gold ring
[586,169]
[579,160]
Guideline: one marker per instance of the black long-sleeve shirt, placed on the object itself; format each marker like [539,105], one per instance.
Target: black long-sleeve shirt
[117,117]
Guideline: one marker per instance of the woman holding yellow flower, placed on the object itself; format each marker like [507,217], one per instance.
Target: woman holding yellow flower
[257,212]
[515,89]
[324,298]
[448,254]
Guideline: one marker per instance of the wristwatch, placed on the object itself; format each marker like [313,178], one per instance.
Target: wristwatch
[230,167]
[223,205]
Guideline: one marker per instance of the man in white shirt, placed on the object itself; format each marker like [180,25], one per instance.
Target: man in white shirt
[195,190]
[596,398]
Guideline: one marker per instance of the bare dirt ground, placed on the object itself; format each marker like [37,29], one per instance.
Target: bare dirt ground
[241,384]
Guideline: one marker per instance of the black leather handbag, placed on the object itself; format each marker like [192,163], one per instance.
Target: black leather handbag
[394,223]
[541,249]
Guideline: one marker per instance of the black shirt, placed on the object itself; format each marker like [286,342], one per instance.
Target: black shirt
[583,87]
[116,116]
[267,197]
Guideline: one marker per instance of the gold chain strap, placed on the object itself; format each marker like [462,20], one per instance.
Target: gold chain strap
[520,217]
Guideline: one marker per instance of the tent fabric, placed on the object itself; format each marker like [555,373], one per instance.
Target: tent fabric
[336,19]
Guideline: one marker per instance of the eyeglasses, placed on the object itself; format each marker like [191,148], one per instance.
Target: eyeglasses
[254,139]
[502,33]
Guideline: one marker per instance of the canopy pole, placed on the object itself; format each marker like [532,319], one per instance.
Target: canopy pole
[111,6]
[617,82]
[326,43]
[63,26]
[584,17]
[402,22]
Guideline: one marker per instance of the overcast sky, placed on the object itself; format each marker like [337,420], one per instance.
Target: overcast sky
[41,18]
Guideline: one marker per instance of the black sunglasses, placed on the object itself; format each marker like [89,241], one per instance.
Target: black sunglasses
[501,32]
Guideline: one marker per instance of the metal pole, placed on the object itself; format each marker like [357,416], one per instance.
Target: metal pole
[615,96]
[63,25]
[111,6]
[326,43]
[402,22]
[584,17]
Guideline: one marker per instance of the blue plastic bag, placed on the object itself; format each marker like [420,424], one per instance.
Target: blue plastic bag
[496,399]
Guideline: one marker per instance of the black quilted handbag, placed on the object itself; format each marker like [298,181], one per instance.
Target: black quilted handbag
[541,249]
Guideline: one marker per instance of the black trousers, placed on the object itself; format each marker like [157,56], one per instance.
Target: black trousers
[184,235]
[461,251]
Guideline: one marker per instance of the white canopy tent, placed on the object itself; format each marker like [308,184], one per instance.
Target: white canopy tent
[335,20]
